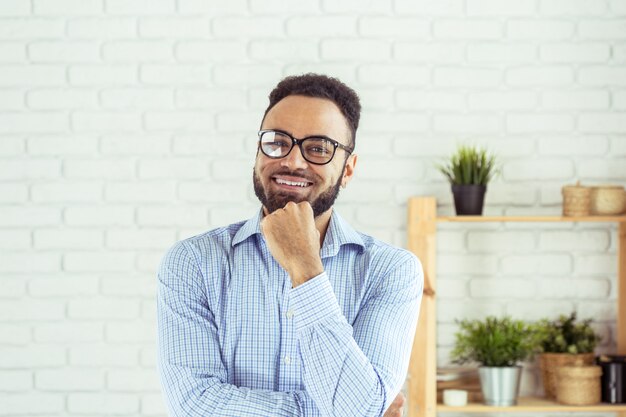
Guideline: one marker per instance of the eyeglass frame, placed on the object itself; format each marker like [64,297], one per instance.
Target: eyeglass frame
[298,142]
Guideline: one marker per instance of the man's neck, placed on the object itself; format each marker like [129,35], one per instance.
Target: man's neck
[321,223]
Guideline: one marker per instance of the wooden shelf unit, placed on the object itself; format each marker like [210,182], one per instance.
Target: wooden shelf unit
[533,405]
[422,380]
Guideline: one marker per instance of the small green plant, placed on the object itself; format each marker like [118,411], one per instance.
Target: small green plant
[494,342]
[565,335]
[469,165]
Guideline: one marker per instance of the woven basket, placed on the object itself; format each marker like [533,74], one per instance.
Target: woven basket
[549,362]
[576,200]
[578,385]
[608,199]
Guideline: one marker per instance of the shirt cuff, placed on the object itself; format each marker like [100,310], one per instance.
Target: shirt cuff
[313,301]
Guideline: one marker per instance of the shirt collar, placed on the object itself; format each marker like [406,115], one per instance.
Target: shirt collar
[339,233]
[249,228]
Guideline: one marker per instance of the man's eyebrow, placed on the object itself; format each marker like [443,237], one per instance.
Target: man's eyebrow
[322,137]
[306,137]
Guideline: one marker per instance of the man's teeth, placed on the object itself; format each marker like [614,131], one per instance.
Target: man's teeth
[299,184]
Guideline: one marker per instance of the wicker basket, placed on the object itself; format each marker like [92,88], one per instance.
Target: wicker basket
[549,362]
[608,199]
[576,200]
[578,385]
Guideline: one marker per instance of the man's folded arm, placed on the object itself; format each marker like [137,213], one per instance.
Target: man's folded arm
[357,370]
[192,373]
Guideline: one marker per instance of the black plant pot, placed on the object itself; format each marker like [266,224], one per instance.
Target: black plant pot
[613,378]
[469,199]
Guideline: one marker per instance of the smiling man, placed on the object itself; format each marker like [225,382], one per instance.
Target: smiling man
[292,312]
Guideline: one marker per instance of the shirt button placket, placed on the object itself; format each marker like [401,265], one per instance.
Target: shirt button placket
[287,359]
[289,315]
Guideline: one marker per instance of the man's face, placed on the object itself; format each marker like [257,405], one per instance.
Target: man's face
[301,117]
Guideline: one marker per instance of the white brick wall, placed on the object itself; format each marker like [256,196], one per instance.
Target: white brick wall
[114,115]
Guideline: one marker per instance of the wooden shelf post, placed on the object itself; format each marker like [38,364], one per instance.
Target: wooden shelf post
[422,381]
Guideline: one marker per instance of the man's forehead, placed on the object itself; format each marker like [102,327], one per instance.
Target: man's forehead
[304,116]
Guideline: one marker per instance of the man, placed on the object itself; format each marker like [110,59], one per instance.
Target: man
[293,312]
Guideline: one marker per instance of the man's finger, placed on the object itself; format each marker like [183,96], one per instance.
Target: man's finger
[396,408]
[399,400]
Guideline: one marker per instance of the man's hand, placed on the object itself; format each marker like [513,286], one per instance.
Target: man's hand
[396,409]
[294,241]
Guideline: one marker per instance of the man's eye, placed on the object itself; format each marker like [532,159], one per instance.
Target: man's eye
[278,144]
[318,150]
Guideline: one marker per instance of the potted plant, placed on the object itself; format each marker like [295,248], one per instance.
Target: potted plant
[564,342]
[469,170]
[498,345]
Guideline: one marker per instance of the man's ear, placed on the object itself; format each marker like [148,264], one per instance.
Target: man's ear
[348,171]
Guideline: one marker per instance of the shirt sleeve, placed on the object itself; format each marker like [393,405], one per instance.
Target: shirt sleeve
[193,376]
[358,370]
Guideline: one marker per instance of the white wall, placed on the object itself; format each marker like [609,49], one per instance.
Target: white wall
[128,124]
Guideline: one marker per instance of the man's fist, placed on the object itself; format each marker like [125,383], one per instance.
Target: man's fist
[294,241]
[396,409]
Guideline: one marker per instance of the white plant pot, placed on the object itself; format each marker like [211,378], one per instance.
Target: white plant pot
[500,385]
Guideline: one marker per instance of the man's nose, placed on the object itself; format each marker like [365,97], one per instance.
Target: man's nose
[294,159]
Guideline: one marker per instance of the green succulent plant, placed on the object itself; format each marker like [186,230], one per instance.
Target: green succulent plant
[469,165]
[566,335]
[494,342]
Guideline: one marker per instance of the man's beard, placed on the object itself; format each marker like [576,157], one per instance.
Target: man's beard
[278,200]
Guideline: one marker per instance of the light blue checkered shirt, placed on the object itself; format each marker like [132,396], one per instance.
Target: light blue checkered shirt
[235,339]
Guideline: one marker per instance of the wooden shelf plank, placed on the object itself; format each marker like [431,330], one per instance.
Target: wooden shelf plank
[478,219]
[533,404]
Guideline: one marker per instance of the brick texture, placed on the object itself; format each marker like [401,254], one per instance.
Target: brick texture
[126,125]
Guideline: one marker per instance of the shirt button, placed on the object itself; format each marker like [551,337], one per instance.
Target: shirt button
[290,314]
[287,359]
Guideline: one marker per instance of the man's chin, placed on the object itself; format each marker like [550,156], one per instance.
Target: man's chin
[279,201]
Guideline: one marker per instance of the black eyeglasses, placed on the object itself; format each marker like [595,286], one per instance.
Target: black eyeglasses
[318,150]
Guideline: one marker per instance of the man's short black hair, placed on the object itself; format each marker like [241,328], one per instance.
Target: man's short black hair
[320,86]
